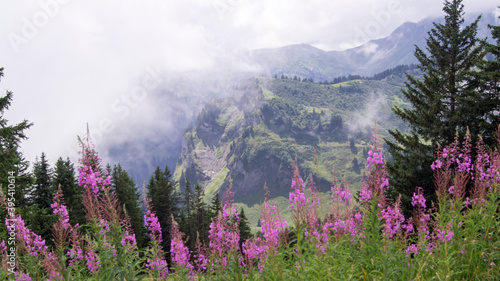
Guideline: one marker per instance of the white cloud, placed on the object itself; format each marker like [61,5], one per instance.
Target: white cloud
[68,62]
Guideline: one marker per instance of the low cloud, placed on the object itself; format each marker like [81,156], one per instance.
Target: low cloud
[369,114]
[70,63]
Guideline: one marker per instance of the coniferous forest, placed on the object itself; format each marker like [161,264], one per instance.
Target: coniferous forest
[426,206]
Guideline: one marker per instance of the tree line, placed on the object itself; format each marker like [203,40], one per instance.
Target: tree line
[378,76]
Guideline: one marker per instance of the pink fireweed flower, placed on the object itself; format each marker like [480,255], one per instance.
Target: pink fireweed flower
[224,233]
[444,236]
[256,249]
[128,241]
[3,255]
[343,194]
[87,179]
[60,209]
[345,226]
[32,242]
[412,249]
[93,261]
[156,263]
[104,226]
[75,255]
[180,253]
[376,181]
[159,266]
[152,223]
[23,277]
[365,195]
[451,190]
[312,202]
[374,158]
[32,245]
[200,259]
[418,199]
[393,220]
[467,202]
[272,225]
[436,165]
[303,209]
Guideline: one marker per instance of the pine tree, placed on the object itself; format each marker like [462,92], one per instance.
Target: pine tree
[64,178]
[187,222]
[215,206]
[244,226]
[42,218]
[202,214]
[13,166]
[438,101]
[485,93]
[128,196]
[42,192]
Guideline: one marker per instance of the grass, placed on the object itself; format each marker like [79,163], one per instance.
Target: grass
[216,184]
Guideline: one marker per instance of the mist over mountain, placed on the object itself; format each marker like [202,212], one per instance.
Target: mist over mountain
[183,96]
[252,138]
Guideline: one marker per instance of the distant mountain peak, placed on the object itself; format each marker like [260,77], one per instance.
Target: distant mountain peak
[374,56]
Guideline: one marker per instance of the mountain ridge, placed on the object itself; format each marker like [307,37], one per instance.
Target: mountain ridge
[374,56]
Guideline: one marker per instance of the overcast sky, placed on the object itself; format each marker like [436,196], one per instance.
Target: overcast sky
[72,62]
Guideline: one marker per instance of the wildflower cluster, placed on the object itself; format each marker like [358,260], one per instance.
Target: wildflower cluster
[155,262]
[180,253]
[376,182]
[367,239]
[224,234]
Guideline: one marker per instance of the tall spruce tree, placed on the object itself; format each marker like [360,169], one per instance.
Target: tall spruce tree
[187,222]
[165,200]
[215,206]
[202,214]
[438,100]
[42,191]
[244,227]
[13,166]
[42,218]
[485,88]
[128,196]
[64,178]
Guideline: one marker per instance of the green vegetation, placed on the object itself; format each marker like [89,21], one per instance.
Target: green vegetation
[217,183]
[454,97]
[271,122]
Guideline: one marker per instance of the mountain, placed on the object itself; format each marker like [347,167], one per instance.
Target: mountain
[371,57]
[179,100]
[252,138]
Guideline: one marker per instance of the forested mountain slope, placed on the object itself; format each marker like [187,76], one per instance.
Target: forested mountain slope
[253,137]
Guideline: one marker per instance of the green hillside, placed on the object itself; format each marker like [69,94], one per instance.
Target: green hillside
[254,137]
